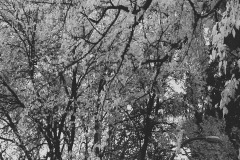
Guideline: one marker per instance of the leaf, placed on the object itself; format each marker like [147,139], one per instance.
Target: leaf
[225,111]
[225,66]
[220,65]
[238,24]
[233,33]
[214,53]
[221,104]
[238,63]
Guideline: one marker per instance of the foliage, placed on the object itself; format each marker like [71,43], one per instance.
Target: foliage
[210,126]
[225,40]
[93,79]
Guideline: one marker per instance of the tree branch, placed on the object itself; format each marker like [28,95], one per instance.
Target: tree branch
[207,14]
[12,92]
[52,3]
[164,59]
[213,9]
[124,8]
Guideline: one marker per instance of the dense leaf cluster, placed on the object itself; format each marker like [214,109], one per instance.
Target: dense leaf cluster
[110,79]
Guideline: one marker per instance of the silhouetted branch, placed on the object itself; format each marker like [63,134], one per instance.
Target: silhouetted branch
[164,59]
[124,8]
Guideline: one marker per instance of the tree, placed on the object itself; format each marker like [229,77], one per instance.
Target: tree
[93,79]
[226,48]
